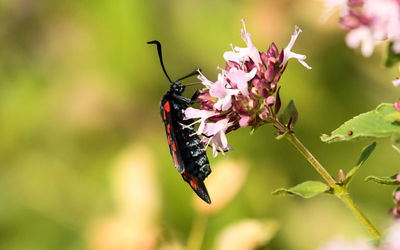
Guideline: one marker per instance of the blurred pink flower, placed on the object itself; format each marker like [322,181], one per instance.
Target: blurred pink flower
[369,22]
[340,244]
[396,82]
[392,241]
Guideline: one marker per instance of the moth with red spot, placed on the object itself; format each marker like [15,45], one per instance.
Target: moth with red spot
[186,148]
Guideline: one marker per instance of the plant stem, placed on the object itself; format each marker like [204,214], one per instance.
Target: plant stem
[353,207]
[339,190]
[196,235]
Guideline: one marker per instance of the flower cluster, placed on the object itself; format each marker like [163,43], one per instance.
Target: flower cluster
[396,196]
[246,92]
[369,22]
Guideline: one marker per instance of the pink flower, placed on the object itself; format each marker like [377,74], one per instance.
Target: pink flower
[288,54]
[216,135]
[396,82]
[203,115]
[240,55]
[363,37]
[240,79]
[219,90]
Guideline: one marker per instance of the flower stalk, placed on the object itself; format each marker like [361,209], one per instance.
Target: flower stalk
[338,190]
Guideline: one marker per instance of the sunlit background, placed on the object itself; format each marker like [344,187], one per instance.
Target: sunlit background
[83,154]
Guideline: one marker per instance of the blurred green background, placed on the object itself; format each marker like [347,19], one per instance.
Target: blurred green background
[79,109]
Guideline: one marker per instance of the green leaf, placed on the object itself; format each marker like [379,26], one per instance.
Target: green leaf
[392,180]
[289,116]
[371,125]
[306,189]
[391,57]
[365,153]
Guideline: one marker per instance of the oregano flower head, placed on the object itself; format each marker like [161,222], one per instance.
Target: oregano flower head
[246,92]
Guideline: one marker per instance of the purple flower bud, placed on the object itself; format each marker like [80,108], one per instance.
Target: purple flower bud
[273,51]
[264,92]
[264,58]
[244,121]
[252,104]
[264,114]
[269,73]
[270,100]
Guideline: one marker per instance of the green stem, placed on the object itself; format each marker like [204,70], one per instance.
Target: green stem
[196,235]
[339,190]
[345,197]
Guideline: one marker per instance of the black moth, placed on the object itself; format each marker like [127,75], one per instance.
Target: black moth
[187,151]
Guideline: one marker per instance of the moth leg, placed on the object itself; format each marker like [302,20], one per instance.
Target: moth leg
[193,99]
[183,99]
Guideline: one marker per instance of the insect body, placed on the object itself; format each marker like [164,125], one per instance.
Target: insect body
[185,146]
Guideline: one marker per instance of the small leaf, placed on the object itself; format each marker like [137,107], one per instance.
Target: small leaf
[289,115]
[392,180]
[306,189]
[281,136]
[392,57]
[394,116]
[373,124]
[365,153]
[278,101]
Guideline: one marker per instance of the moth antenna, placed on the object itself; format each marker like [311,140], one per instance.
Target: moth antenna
[160,57]
[195,72]
[192,83]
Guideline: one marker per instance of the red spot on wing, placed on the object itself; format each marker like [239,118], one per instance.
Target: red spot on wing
[166,106]
[169,140]
[176,160]
[193,181]
[165,117]
[169,129]
[173,147]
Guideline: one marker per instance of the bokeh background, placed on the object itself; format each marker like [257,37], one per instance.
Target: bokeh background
[84,162]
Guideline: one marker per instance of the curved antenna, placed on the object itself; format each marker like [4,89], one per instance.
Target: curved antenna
[160,56]
[195,72]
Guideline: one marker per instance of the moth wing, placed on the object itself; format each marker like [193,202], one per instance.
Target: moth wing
[197,185]
[166,114]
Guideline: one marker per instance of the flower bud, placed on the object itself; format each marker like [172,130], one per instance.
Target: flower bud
[270,100]
[341,177]
[244,121]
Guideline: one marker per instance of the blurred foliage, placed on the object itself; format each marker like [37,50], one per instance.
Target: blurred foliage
[79,88]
